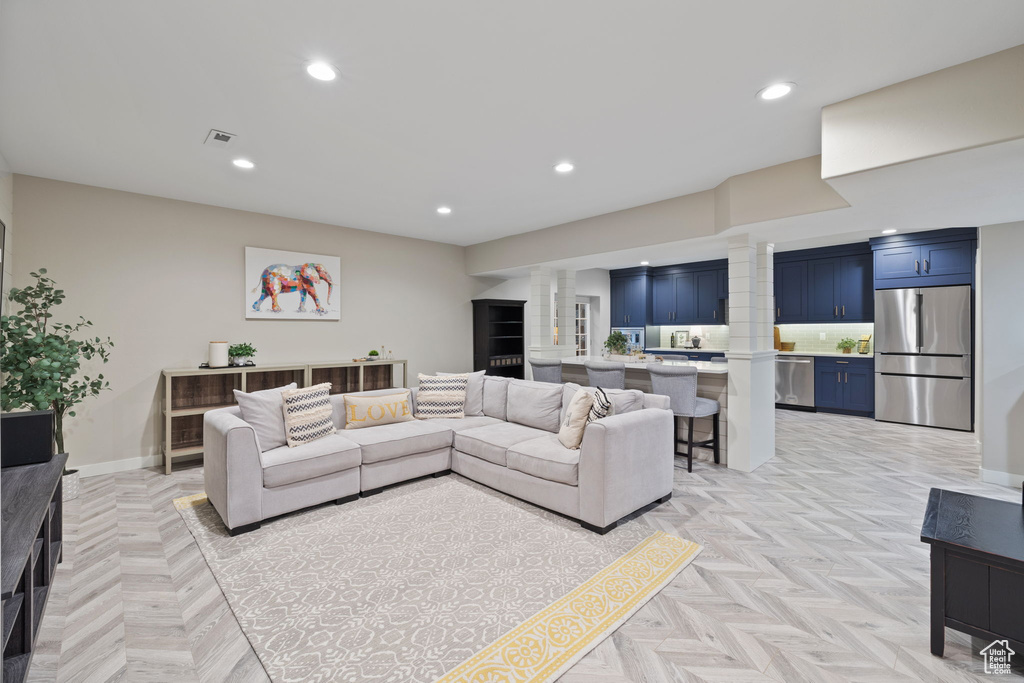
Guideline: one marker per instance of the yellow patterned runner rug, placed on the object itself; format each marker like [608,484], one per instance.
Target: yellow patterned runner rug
[545,646]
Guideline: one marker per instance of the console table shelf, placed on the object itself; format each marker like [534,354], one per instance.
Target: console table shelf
[190,393]
[31,540]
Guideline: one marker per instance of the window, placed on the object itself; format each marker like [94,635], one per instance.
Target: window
[582,331]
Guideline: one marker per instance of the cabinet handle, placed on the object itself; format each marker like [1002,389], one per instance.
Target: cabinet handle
[714,314]
[844,310]
[778,312]
[926,266]
[847,377]
[917,266]
[839,377]
[835,313]
[843,362]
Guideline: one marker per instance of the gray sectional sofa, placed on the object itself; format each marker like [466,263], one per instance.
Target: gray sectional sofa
[624,464]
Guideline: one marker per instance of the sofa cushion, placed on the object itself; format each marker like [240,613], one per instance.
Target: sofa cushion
[535,404]
[374,411]
[474,392]
[287,465]
[622,400]
[495,396]
[546,458]
[490,443]
[262,410]
[388,442]
[307,414]
[461,424]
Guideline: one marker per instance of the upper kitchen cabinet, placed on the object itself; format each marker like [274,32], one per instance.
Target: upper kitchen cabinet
[925,259]
[672,297]
[630,293]
[832,284]
[690,294]
[708,307]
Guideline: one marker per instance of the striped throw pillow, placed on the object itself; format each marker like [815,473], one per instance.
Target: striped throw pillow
[443,396]
[307,414]
[602,406]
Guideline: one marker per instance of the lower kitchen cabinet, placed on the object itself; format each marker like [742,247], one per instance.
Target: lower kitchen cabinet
[845,386]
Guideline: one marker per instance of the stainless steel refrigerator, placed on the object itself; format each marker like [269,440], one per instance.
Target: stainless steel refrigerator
[923,346]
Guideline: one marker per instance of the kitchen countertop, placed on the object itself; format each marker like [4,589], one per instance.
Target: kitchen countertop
[827,354]
[703,367]
[679,349]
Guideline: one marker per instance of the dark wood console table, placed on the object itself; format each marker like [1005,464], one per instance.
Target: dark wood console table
[30,548]
[977,567]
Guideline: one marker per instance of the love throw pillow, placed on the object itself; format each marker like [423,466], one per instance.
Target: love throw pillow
[370,411]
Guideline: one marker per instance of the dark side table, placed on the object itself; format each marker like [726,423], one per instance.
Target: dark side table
[977,567]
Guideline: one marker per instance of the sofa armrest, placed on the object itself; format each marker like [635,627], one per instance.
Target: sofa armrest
[232,468]
[626,462]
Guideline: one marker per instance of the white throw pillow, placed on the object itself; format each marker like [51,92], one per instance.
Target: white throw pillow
[307,414]
[570,434]
[441,396]
[474,392]
[262,411]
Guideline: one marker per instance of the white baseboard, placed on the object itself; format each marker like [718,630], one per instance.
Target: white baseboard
[1002,478]
[112,466]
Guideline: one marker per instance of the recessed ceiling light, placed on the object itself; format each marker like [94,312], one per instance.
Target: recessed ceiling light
[775,91]
[244,163]
[444,210]
[564,167]
[321,71]
[889,231]
[645,263]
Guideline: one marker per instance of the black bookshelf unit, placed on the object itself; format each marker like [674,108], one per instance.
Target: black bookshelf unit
[31,549]
[499,337]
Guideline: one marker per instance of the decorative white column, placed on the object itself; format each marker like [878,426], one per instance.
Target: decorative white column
[751,354]
[565,295]
[542,329]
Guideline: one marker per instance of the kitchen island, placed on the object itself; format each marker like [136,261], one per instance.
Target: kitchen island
[712,382]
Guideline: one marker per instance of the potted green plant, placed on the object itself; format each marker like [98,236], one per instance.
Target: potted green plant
[42,358]
[373,355]
[617,343]
[241,353]
[846,345]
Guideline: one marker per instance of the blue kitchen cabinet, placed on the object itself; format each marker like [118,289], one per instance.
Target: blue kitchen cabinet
[846,386]
[823,290]
[629,300]
[663,299]
[828,385]
[948,258]
[685,298]
[856,289]
[707,303]
[723,283]
[791,292]
[897,262]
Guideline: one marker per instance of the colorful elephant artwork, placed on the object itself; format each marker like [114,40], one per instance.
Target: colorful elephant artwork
[282,279]
[279,281]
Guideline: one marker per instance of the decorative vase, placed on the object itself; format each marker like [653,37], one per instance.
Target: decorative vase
[847,350]
[69,486]
[372,357]
[239,360]
[218,354]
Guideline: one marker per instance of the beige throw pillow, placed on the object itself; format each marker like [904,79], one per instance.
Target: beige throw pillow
[369,411]
[307,414]
[441,397]
[570,434]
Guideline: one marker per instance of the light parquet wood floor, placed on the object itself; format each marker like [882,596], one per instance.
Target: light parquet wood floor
[812,570]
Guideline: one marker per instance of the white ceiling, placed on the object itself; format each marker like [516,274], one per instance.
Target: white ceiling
[466,103]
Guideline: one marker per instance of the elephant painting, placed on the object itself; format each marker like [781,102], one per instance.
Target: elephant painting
[282,279]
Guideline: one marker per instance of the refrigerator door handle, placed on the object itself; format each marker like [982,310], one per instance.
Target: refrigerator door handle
[920,324]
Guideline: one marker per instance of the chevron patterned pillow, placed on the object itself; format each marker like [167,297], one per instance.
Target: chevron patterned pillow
[443,396]
[307,414]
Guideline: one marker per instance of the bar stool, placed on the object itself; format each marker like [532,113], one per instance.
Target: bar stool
[679,383]
[606,374]
[546,370]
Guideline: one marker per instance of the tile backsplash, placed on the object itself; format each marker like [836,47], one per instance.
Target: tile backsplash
[713,337]
[808,337]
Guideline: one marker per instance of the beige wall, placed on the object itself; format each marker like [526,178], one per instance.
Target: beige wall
[968,105]
[1000,362]
[163,277]
[7,218]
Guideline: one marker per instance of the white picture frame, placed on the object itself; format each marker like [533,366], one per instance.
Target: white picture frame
[304,286]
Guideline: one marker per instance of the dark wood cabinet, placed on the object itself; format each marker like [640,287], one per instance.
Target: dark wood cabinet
[32,546]
[499,331]
[977,567]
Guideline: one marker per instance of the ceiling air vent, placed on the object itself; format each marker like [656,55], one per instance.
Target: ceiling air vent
[218,138]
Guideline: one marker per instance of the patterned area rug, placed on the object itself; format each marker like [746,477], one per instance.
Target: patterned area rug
[437,579]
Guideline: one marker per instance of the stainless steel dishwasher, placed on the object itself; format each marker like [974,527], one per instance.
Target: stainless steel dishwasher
[794,381]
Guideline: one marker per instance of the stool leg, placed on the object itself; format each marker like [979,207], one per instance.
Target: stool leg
[715,436]
[689,446]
